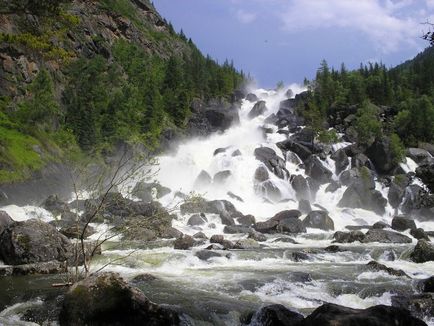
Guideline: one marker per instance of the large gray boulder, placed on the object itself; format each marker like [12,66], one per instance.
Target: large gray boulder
[385,236]
[319,220]
[422,252]
[276,314]
[33,241]
[402,223]
[106,299]
[317,171]
[5,221]
[381,155]
[341,160]
[272,161]
[426,174]
[258,109]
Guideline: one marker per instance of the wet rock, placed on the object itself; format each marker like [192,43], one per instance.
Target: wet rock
[362,194]
[286,240]
[217,238]
[257,236]
[227,245]
[333,249]
[261,174]
[75,231]
[33,241]
[319,220]
[200,235]
[422,252]
[333,315]
[272,161]
[291,225]
[420,305]
[143,278]
[210,207]
[144,191]
[222,176]
[304,206]
[301,187]
[55,205]
[5,221]
[426,174]
[381,155]
[333,186]
[247,220]
[402,223]
[258,109]
[377,267]
[269,191]
[348,237]
[233,196]
[197,219]
[252,97]
[317,171]
[267,226]
[86,303]
[292,213]
[299,256]
[276,314]
[234,229]
[418,154]
[427,285]
[419,234]
[380,225]
[361,160]
[236,153]
[300,277]
[219,151]
[341,160]
[184,243]
[50,267]
[206,254]
[171,233]
[203,180]
[385,236]
[397,189]
[291,146]
[246,244]
[226,219]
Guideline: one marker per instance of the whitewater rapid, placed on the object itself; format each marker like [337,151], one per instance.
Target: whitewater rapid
[250,278]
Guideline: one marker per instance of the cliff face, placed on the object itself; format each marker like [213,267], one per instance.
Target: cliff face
[82,29]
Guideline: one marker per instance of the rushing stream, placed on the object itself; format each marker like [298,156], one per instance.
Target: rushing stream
[221,289]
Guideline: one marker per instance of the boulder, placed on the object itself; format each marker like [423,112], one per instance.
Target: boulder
[276,314]
[397,189]
[269,191]
[222,176]
[422,252]
[319,220]
[418,154]
[197,219]
[402,223]
[381,155]
[206,254]
[301,187]
[74,231]
[219,151]
[420,305]
[221,117]
[257,236]
[361,160]
[419,234]
[171,233]
[55,205]
[210,207]
[106,299]
[348,237]
[292,213]
[184,243]
[385,236]
[200,235]
[304,206]
[261,174]
[299,256]
[426,174]
[233,196]
[248,243]
[247,220]
[341,160]
[291,225]
[258,109]
[252,98]
[272,161]
[5,221]
[33,241]
[427,285]
[234,229]
[226,218]
[380,225]
[317,171]
[291,146]
[203,180]
[334,315]
[377,267]
[217,238]
[144,191]
[236,153]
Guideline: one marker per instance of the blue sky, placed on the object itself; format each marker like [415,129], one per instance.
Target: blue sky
[285,40]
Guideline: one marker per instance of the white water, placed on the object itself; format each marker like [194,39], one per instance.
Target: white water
[268,268]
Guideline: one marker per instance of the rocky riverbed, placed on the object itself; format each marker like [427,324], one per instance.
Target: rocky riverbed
[258,224]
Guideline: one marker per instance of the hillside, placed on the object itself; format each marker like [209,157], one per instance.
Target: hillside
[82,76]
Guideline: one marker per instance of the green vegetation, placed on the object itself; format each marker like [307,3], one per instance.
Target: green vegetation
[408,90]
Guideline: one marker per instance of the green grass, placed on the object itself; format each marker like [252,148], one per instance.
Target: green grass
[17,156]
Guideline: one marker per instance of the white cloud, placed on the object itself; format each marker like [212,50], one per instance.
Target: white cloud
[430,4]
[245,17]
[387,23]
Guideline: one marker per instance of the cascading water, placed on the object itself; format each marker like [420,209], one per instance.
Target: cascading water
[219,290]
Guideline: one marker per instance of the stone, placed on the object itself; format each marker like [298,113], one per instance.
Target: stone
[258,109]
[427,285]
[55,205]
[184,243]
[304,206]
[426,174]
[381,155]
[419,234]
[377,267]
[221,177]
[200,235]
[252,97]
[319,220]
[247,244]
[385,236]
[247,220]
[301,187]
[106,299]
[422,252]
[203,180]
[217,238]
[348,237]
[420,305]
[402,223]
[5,221]
[341,160]
[276,314]
[197,219]
[234,229]
[206,254]
[317,171]
[261,174]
